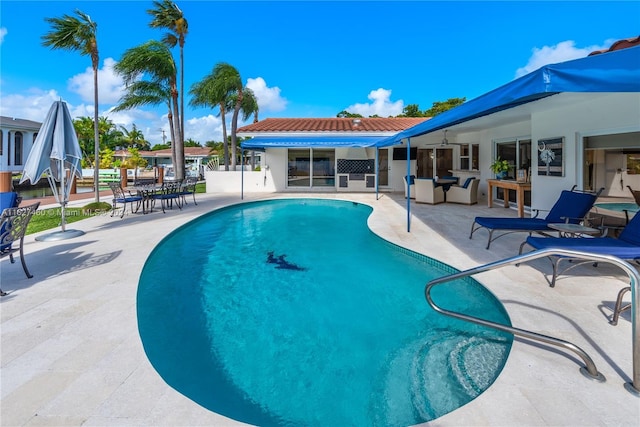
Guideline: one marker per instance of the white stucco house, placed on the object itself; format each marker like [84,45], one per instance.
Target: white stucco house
[16,139]
[572,123]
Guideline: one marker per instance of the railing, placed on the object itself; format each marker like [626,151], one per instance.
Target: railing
[589,370]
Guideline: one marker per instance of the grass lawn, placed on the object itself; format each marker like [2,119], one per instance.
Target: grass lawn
[45,219]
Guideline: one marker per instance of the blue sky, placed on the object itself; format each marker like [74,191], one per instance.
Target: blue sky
[306,59]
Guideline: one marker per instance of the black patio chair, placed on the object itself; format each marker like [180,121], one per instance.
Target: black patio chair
[14,222]
[169,193]
[123,197]
[189,187]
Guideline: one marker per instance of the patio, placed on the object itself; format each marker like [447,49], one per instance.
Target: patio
[71,354]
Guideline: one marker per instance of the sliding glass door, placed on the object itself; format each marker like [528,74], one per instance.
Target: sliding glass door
[311,167]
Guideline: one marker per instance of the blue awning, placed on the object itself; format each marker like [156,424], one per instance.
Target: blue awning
[324,141]
[616,71]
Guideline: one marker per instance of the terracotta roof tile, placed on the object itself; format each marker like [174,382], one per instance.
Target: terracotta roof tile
[620,44]
[337,124]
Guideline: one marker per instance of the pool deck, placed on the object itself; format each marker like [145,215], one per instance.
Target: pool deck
[71,354]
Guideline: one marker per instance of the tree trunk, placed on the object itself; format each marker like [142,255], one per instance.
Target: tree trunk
[234,127]
[178,167]
[96,135]
[172,132]
[225,141]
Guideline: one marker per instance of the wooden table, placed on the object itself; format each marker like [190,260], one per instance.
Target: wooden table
[507,185]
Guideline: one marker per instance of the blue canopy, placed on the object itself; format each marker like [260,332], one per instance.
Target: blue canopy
[616,71]
[261,142]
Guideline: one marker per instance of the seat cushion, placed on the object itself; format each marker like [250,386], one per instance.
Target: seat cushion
[597,245]
[524,224]
[468,181]
[571,204]
[8,200]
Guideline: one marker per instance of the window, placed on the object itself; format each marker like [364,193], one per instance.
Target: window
[311,168]
[518,153]
[469,158]
[17,151]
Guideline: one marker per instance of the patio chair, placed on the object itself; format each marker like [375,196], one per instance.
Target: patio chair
[412,187]
[571,207]
[123,197]
[14,222]
[626,246]
[169,193]
[189,187]
[426,191]
[466,193]
[9,199]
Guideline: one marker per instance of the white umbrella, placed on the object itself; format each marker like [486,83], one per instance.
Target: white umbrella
[55,151]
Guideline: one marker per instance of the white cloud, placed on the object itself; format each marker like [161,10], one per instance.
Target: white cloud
[269,98]
[203,129]
[34,105]
[110,85]
[381,105]
[563,51]
[3,32]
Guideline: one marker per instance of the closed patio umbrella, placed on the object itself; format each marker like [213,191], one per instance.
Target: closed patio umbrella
[55,151]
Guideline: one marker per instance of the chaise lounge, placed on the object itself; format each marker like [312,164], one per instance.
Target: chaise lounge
[13,227]
[571,207]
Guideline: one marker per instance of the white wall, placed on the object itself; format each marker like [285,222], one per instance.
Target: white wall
[233,181]
[597,114]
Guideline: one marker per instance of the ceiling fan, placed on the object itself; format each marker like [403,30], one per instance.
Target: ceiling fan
[445,142]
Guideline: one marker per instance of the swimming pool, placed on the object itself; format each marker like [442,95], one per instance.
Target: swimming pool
[632,207]
[292,312]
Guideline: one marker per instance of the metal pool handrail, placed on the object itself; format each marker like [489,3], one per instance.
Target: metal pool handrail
[590,370]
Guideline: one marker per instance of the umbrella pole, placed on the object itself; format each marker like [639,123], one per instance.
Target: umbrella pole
[63,198]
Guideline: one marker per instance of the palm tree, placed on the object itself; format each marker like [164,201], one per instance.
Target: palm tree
[168,15]
[153,60]
[79,34]
[142,92]
[134,138]
[215,90]
[248,106]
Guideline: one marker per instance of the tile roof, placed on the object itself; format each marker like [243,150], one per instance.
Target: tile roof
[12,122]
[620,44]
[336,124]
[188,151]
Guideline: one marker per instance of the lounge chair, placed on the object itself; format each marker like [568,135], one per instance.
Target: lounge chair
[9,199]
[635,194]
[14,222]
[626,246]
[571,207]
[466,193]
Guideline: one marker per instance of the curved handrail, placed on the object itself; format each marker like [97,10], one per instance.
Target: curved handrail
[590,369]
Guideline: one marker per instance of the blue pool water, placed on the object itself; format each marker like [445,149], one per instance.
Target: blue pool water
[293,313]
[618,206]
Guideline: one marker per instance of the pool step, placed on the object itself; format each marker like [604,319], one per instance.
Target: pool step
[438,373]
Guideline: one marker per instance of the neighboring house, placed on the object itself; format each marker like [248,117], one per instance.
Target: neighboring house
[583,114]
[196,159]
[16,139]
